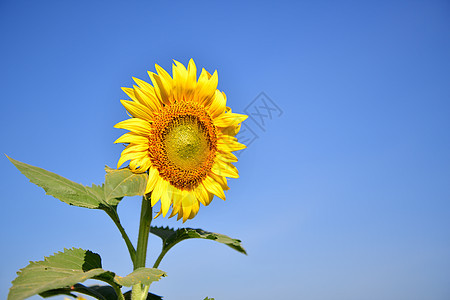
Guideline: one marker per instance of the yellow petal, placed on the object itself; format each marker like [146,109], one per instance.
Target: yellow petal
[157,214]
[203,78]
[210,198]
[206,92]
[166,199]
[146,100]
[173,213]
[224,138]
[179,80]
[229,119]
[230,130]
[224,169]
[140,165]
[153,176]
[130,93]
[176,202]
[191,82]
[229,145]
[177,207]
[187,204]
[131,138]
[181,70]
[165,78]
[163,90]
[145,86]
[184,81]
[149,91]
[194,210]
[159,188]
[128,156]
[218,104]
[214,187]
[135,125]
[201,194]
[221,180]
[135,148]
[226,156]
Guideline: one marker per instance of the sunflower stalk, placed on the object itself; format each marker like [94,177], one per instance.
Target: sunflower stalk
[138,291]
[112,213]
[160,257]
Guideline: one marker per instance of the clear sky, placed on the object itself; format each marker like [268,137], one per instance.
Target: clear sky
[345,190]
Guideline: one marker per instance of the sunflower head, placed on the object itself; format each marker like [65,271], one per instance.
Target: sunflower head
[182,134]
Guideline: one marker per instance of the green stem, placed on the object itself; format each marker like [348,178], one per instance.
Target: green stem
[116,287]
[145,292]
[112,213]
[144,231]
[161,256]
[141,250]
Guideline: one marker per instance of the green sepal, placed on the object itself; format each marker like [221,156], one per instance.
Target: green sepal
[141,275]
[123,182]
[171,237]
[150,296]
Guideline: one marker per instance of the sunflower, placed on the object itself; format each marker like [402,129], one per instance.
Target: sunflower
[182,134]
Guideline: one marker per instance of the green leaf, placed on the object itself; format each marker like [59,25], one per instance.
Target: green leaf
[118,184]
[62,188]
[123,182]
[65,291]
[105,291]
[101,292]
[140,275]
[61,270]
[172,237]
[207,298]
[61,273]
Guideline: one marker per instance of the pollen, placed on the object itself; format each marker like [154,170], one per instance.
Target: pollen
[183,144]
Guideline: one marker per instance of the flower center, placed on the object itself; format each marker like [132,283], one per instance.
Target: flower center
[187,143]
[183,144]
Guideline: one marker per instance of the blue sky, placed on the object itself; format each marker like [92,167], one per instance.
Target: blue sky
[345,195]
